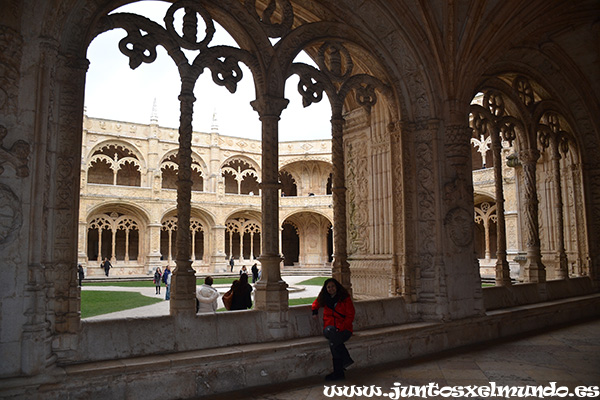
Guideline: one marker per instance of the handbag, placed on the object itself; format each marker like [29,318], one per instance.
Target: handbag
[228,299]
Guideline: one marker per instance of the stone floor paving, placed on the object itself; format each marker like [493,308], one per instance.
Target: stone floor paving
[568,355]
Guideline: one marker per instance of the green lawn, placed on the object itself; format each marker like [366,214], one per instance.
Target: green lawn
[150,283]
[304,300]
[317,281]
[101,302]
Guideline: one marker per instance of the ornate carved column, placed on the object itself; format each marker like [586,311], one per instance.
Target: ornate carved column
[218,258]
[271,290]
[534,271]
[341,267]
[153,257]
[563,264]
[183,283]
[502,266]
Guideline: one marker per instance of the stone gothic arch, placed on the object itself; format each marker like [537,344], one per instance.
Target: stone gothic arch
[115,163]
[517,109]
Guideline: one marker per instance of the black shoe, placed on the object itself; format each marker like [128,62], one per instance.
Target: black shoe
[335,376]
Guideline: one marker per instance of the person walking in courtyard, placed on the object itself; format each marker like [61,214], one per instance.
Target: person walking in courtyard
[157,278]
[254,270]
[338,316]
[106,265]
[231,263]
[242,294]
[207,296]
[80,273]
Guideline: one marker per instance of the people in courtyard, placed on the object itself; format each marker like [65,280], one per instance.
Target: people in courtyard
[157,278]
[106,265]
[243,270]
[207,297]
[80,273]
[338,316]
[254,270]
[242,294]
[231,263]
[167,281]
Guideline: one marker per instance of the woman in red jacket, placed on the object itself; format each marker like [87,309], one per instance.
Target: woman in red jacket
[338,315]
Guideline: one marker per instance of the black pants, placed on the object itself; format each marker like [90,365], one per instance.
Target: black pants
[336,343]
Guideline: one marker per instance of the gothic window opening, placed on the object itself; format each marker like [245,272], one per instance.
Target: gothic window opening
[242,239]
[115,236]
[485,238]
[168,236]
[288,184]
[169,168]
[114,165]
[240,178]
[168,239]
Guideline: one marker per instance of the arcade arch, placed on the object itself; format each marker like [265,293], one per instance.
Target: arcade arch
[306,240]
[114,164]
[116,231]
[533,161]
[305,178]
[169,167]
[243,237]
[240,176]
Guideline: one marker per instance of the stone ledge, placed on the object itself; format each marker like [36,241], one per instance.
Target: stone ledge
[528,293]
[206,372]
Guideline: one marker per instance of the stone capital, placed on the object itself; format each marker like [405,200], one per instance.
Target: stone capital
[529,156]
[269,106]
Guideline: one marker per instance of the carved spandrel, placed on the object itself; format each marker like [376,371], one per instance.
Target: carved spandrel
[17,155]
[11,217]
[11,45]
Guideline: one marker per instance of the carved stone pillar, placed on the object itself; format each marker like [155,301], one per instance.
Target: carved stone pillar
[183,283]
[271,290]
[341,267]
[153,257]
[502,266]
[218,258]
[402,279]
[563,265]
[534,270]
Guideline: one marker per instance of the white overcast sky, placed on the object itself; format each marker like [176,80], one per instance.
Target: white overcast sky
[115,91]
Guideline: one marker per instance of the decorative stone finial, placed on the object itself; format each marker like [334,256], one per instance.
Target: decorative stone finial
[154,115]
[214,126]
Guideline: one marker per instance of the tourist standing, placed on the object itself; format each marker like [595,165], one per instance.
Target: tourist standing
[207,296]
[242,294]
[157,278]
[254,270]
[80,273]
[338,316]
[243,270]
[231,263]
[167,281]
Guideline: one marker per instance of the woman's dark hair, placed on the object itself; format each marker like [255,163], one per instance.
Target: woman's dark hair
[208,280]
[341,291]
[244,278]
